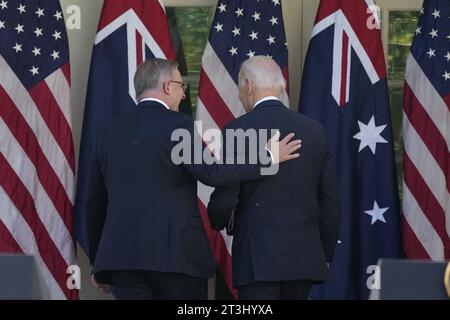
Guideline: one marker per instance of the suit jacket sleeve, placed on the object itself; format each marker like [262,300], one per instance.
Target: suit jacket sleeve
[221,204]
[329,204]
[221,174]
[95,205]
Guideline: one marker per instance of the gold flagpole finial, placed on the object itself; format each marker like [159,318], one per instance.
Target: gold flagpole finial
[447,279]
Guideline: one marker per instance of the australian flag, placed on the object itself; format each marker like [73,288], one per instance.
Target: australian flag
[129,32]
[345,88]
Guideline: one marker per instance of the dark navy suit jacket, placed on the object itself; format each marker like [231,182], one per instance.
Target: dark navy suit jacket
[285,226]
[141,208]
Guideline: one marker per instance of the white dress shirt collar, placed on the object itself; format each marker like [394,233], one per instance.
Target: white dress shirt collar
[156,100]
[265,99]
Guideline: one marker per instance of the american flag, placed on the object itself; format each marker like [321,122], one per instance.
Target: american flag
[426,120]
[36,149]
[344,87]
[241,29]
[129,32]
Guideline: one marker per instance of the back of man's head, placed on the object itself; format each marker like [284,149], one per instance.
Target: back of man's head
[264,72]
[151,74]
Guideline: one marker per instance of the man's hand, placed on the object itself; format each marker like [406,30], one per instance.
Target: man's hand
[285,149]
[102,287]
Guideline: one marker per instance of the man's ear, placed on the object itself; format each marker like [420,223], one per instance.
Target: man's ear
[250,87]
[166,87]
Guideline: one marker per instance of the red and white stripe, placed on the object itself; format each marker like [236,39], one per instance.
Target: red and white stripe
[218,103]
[426,185]
[37,173]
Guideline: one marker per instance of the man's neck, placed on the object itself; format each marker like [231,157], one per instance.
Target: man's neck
[264,98]
[156,100]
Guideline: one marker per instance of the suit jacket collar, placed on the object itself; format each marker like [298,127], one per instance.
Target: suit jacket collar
[269,103]
[152,104]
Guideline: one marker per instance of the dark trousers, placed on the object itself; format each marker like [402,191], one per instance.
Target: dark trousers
[150,285]
[276,290]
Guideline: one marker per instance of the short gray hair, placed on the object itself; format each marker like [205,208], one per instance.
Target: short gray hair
[264,72]
[150,74]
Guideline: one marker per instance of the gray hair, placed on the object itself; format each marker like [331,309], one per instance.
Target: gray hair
[264,72]
[151,73]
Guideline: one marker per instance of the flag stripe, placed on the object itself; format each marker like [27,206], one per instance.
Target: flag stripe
[411,244]
[427,130]
[426,201]
[323,23]
[139,56]
[60,89]
[7,241]
[421,226]
[344,75]
[427,167]
[428,97]
[213,102]
[221,244]
[66,72]
[25,170]
[21,199]
[54,119]
[221,254]
[338,69]
[222,81]
[447,100]
[21,133]
[203,114]
[20,230]
[22,100]
[204,193]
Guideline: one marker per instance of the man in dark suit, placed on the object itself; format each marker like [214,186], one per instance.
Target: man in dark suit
[285,226]
[146,237]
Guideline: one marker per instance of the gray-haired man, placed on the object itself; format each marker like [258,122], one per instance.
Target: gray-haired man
[286,225]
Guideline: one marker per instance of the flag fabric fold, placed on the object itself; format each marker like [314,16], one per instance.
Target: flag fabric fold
[344,87]
[426,117]
[37,163]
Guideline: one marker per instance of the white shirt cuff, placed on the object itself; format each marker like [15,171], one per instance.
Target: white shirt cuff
[271,155]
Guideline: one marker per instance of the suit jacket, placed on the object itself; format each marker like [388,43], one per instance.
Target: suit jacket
[141,208]
[285,226]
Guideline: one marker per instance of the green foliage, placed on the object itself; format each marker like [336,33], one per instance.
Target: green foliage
[402,25]
[191,26]
[194,25]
